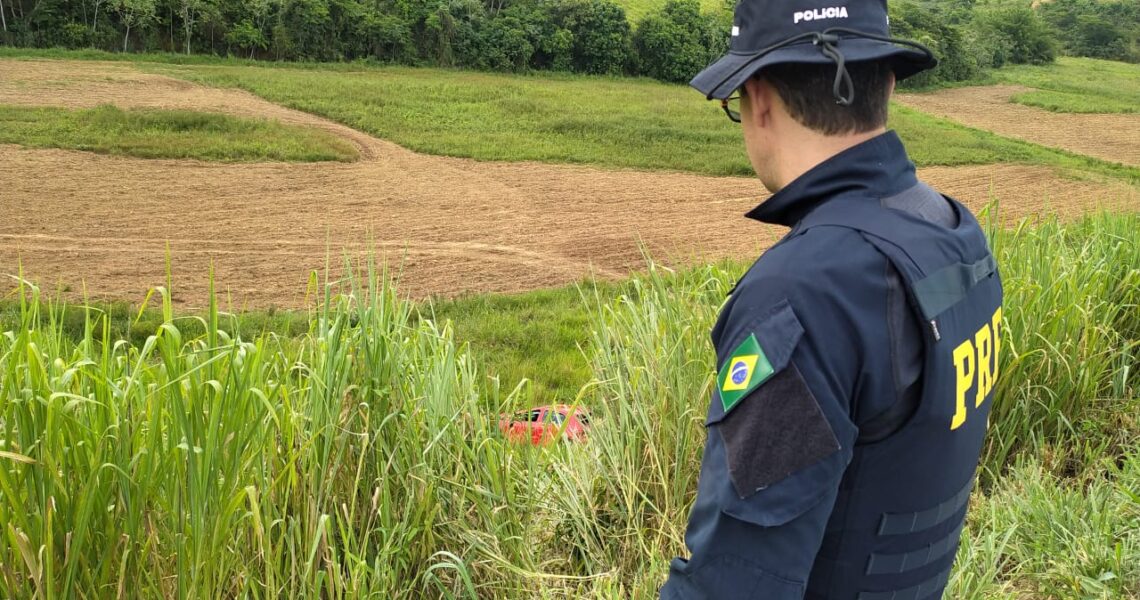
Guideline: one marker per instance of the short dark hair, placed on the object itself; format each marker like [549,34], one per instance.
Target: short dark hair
[806,89]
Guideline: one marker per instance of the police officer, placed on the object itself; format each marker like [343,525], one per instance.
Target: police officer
[857,356]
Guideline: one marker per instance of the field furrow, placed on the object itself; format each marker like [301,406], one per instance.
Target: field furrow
[103,225]
[1111,137]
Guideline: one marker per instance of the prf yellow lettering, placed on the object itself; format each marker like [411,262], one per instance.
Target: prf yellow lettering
[997,340]
[976,366]
[983,343]
[964,364]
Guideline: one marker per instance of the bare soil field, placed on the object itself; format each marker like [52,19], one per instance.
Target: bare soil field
[1112,137]
[102,226]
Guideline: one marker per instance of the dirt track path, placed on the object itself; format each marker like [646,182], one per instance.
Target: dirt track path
[102,223]
[1112,137]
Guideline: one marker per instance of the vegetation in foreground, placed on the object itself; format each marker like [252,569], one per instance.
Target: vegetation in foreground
[1078,85]
[147,133]
[361,458]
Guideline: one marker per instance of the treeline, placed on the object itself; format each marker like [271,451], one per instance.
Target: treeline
[584,36]
[1095,28]
[971,36]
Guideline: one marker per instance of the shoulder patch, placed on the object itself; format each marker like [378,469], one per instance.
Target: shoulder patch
[779,431]
[746,368]
[761,346]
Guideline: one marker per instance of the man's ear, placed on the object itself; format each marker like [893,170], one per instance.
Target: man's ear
[758,96]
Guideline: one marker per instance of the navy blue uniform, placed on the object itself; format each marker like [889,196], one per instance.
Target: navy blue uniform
[857,358]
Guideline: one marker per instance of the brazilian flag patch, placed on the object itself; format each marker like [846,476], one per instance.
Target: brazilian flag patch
[745,369]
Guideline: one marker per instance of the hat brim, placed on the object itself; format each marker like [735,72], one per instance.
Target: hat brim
[723,77]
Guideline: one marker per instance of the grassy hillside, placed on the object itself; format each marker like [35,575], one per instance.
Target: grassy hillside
[1077,85]
[625,122]
[636,123]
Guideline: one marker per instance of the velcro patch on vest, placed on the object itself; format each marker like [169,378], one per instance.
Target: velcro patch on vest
[779,430]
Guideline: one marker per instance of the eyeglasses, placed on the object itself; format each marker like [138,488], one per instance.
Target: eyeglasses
[731,108]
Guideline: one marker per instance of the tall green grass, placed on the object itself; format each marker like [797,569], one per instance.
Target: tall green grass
[146,133]
[361,458]
[1071,361]
[624,498]
[1036,536]
[337,465]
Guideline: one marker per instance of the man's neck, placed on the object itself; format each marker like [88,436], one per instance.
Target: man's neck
[810,148]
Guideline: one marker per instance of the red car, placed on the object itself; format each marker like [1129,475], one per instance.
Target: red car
[542,425]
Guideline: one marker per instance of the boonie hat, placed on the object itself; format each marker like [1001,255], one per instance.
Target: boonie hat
[769,32]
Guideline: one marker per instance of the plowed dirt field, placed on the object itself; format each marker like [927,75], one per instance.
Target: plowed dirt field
[102,225]
[1112,137]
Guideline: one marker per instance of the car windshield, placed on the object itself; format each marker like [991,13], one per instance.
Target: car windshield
[527,416]
[555,417]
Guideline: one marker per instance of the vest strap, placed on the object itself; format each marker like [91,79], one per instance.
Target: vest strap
[902,523]
[882,564]
[919,592]
[950,285]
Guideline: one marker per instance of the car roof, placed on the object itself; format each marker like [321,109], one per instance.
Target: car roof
[563,408]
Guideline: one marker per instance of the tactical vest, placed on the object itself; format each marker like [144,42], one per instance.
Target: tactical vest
[894,530]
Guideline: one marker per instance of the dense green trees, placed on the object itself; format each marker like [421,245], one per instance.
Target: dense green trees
[677,42]
[1097,28]
[590,36]
[586,36]
[970,37]
[941,31]
[1014,34]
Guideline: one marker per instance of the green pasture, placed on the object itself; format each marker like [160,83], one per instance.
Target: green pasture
[552,118]
[1077,85]
[634,123]
[610,122]
[358,456]
[146,133]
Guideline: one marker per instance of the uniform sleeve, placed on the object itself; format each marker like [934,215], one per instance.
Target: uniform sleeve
[779,438]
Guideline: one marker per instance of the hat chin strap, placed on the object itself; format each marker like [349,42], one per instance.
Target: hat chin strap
[828,40]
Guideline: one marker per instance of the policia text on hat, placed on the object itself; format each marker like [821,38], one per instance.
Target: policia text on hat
[857,356]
